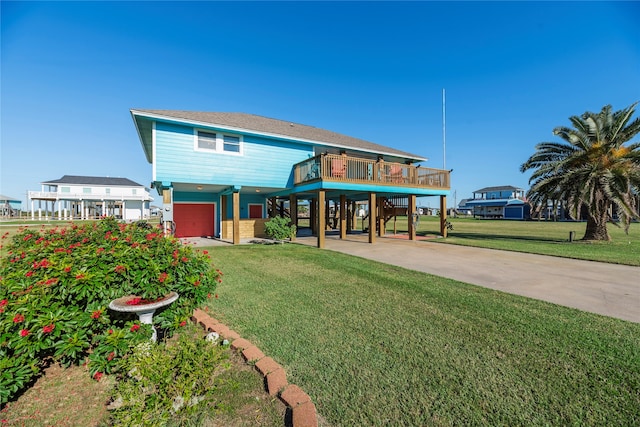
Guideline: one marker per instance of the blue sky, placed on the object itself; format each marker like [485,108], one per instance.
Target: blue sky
[512,71]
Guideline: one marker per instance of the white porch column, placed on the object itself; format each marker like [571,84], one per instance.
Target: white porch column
[59,209]
[33,211]
[124,210]
[81,209]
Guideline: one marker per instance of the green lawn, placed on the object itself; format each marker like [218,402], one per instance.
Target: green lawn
[374,344]
[540,237]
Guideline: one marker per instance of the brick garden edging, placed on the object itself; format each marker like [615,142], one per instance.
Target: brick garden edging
[303,411]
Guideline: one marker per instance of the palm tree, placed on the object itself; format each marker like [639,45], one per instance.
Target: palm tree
[593,170]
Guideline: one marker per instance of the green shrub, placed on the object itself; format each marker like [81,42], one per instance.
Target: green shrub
[169,384]
[278,228]
[56,284]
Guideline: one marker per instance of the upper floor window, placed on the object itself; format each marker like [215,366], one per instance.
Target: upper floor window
[134,191]
[218,142]
[231,143]
[107,191]
[65,189]
[86,190]
[206,141]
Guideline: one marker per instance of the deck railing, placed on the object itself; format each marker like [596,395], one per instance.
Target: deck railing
[341,168]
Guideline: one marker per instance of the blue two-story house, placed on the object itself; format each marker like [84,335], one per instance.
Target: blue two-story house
[224,174]
[501,202]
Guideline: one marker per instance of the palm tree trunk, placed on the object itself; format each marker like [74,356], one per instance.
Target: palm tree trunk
[597,227]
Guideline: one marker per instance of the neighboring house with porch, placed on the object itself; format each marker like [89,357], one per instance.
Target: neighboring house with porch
[10,207]
[88,197]
[502,202]
[225,174]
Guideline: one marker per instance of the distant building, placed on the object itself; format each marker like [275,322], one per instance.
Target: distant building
[10,207]
[87,197]
[503,202]
[463,209]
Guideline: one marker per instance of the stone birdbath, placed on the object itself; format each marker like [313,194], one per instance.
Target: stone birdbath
[144,309]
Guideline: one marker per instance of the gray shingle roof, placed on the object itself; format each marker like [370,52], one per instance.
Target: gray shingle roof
[93,180]
[265,125]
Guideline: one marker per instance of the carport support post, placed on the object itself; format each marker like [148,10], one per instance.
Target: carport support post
[380,217]
[236,218]
[443,216]
[412,211]
[223,216]
[293,212]
[313,214]
[372,217]
[321,218]
[343,216]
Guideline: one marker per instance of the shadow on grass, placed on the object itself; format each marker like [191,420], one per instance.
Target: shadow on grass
[502,237]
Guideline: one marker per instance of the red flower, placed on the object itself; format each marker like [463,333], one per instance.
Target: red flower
[49,328]
[24,332]
[120,269]
[183,323]
[205,252]
[110,331]
[151,236]
[111,356]
[185,259]
[196,283]
[135,328]
[79,276]
[134,301]
[175,254]
[51,281]
[99,251]
[163,277]
[29,273]
[19,318]
[97,376]
[67,269]
[3,302]
[96,314]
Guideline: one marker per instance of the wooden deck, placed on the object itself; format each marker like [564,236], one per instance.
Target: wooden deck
[342,168]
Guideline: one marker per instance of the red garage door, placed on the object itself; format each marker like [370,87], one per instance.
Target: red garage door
[193,219]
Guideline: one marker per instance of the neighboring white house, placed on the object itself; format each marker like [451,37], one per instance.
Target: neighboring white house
[88,197]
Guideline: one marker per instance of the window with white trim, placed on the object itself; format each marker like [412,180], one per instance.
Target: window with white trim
[231,143]
[206,140]
[218,142]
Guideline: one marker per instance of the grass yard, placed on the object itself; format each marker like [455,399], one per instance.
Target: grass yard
[539,237]
[374,344]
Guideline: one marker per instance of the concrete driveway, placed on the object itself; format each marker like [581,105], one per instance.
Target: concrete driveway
[607,289]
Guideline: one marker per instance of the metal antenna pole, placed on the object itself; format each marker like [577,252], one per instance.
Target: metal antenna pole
[444,133]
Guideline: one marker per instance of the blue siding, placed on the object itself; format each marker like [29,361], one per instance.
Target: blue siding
[265,162]
[193,197]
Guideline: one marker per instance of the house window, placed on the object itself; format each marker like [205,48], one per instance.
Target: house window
[86,190]
[231,143]
[65,189]
[107,191]
[206,141]
[217,142]
[133,191]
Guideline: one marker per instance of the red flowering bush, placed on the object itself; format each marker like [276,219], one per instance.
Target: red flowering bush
[56,285]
